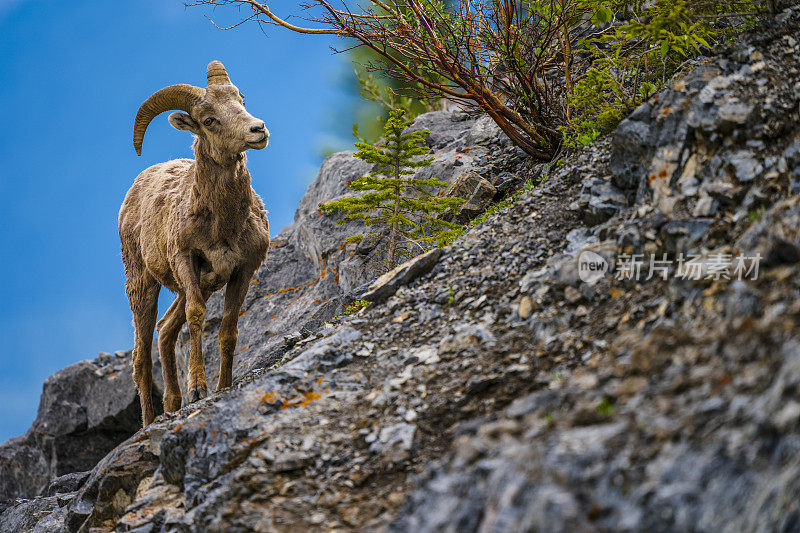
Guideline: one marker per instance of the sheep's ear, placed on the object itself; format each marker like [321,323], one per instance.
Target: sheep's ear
[182,121]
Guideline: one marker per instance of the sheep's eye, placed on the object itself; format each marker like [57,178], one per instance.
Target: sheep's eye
[209,121]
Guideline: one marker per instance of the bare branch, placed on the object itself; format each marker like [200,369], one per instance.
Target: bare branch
[312,31]
[251,17]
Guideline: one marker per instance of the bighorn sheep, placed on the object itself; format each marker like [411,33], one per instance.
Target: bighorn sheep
[192,226]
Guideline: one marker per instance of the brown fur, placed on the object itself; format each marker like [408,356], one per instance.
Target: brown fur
[194,226]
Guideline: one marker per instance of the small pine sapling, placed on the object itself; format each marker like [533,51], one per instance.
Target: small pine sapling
[394,200]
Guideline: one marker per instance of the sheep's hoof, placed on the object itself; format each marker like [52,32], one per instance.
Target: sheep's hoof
[198,393]
[172,402]
[222,386]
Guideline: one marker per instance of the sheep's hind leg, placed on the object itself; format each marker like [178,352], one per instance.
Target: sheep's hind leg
[235,292]
[186,268]
[168,328]
[143,297]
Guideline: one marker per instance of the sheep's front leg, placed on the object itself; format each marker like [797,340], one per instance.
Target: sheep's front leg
[235,293]
[186,267]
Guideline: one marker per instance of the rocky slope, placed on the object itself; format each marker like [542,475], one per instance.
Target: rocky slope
[308,278]
[500,392]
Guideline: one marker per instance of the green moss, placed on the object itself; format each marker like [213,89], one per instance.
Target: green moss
[605,408]
[355,307]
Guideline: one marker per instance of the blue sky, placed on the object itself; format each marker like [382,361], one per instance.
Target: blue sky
[73,75]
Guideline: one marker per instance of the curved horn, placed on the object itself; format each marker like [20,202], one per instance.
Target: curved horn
[181,96]
[216,74]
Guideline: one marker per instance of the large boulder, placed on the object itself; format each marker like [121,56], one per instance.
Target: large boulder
[27,515]
[86,409]
[24,468]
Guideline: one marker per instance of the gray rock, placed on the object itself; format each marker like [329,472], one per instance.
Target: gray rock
[745,165]
[605,201]
[25,514]
[24,468]
[775,236]
[291,461]
[504,183]
[446,129]
[631,144]
[388,283]
[330,352]
[736,113]
[398,437]
[476,192]
[681,236]
[293,338]
[85,411]
[564,268]
[66,483]
[52,522]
